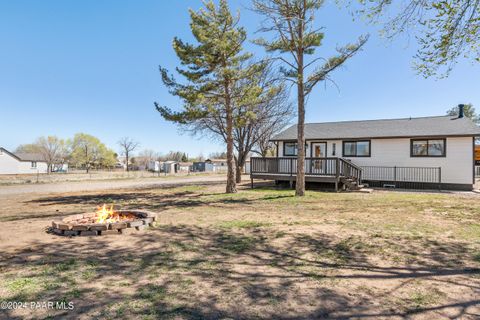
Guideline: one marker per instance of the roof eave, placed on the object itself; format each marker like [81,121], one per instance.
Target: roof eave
[383,137]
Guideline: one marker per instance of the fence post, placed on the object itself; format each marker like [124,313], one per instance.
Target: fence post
[395,174]
[439,178]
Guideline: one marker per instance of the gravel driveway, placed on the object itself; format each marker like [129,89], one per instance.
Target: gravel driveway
[104,185]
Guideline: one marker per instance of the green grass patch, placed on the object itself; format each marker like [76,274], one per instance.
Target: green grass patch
[23,286]
[235,243]
[152,293]
[420,299]
[471,232]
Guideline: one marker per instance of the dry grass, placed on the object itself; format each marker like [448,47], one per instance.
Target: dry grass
[93,175]
[260,253]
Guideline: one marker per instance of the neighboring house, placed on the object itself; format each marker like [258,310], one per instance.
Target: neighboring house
[210,165]
[218,165]
[170,166]
[202,166]
[21,163]
[153,165]
[185,166]
[429,152]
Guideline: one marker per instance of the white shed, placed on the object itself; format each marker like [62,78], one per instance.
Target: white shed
[153,165]
[170,167]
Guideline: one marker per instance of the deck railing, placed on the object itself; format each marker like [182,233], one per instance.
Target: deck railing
[477,171]
[403,174]
[339,167]
[334,167]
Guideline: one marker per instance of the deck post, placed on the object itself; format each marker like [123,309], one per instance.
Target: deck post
[251,181]
[337,173]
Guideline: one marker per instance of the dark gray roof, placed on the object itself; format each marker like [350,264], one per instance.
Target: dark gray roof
[25,156]
[388,128]
[30,156]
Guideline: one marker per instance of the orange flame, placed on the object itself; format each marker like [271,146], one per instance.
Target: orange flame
[108,215]
[105,214]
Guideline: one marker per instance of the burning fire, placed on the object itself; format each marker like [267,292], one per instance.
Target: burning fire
[108,215]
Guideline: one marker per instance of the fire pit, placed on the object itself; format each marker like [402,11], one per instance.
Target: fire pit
[103,221]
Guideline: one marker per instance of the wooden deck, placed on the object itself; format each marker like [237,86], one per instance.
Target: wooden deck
[323,170]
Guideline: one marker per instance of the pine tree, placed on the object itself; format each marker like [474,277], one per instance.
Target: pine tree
[212,68]
[291,22]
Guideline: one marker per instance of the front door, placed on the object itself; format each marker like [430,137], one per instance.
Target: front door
[319,150]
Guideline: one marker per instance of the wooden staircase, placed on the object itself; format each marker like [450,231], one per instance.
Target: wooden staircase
[350,177]
[350,184]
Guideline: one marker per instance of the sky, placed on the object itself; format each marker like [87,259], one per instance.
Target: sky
[92,66]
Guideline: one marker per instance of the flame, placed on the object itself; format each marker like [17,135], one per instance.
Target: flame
[106,214]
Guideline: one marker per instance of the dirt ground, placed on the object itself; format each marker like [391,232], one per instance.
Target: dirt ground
[258,254]
[93,175]
[103,185]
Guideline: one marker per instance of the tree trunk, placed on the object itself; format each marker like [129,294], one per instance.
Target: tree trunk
[240,163]
[238,174]
[231,185]
[300,180]
[126,158]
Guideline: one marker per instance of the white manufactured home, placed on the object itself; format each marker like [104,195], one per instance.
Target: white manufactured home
[21,163]
[429,152]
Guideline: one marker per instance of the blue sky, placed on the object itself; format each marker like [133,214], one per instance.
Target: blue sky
[92,66]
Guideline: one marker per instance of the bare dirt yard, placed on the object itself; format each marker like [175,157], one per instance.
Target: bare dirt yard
[258,254]
[93,175]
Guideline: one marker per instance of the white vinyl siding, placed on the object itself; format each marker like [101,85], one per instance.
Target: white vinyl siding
[456,166]
[11,165]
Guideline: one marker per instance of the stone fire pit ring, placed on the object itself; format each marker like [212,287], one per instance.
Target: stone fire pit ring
[84,225]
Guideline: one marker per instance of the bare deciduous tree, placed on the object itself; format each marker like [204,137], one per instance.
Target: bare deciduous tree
[128,145]
[52,149]
[145,156]
[446,30]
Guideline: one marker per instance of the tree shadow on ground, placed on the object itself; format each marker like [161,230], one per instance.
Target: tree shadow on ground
[190,272]
[156,201]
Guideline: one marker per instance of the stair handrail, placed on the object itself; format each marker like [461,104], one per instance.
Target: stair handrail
[356,168]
